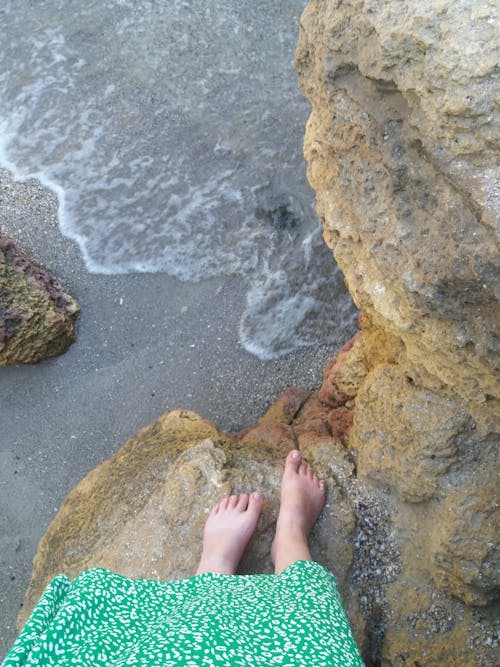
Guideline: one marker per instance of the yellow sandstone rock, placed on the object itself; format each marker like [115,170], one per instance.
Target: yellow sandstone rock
[402,151]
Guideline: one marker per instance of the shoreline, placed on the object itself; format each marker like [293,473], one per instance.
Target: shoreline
[146,343]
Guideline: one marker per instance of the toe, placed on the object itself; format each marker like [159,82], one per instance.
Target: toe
[242,502]
[213,511]
[255,502]
[224,503]
[303,469]
[233,501]
[293,461]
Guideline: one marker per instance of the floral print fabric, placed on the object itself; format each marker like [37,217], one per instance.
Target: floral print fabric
[295,618]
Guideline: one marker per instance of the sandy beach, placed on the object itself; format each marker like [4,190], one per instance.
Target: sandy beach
[147,343]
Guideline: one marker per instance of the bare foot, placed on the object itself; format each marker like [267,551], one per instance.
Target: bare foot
[229,526]
[302,499]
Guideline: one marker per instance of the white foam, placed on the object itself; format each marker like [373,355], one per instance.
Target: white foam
[288,305]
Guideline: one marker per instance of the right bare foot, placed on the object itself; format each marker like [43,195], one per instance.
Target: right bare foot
[302,499]
[228,529]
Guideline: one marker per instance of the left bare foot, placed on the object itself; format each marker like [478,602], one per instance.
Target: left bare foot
[228,529]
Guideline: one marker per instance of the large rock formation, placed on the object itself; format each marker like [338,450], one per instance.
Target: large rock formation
[401,149]
[141,513]
[37,317]
[401,152]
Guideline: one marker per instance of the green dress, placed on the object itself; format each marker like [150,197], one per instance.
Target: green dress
[102,618]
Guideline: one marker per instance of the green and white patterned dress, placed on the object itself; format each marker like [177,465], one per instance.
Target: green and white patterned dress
[102,618]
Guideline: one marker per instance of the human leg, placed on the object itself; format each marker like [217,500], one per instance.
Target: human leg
[302,499]
[229,526]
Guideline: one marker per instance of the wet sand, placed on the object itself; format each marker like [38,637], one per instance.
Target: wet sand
[146,344]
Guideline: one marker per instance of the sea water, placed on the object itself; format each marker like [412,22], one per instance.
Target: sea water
[172,133]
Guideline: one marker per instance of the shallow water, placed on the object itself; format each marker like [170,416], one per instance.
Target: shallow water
[172,135]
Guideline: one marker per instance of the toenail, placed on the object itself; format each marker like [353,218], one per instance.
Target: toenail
[257,495]
[295,454]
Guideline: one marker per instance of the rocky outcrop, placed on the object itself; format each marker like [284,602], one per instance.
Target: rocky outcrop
[401,153]
[141,513]
[37,317]
[401,150]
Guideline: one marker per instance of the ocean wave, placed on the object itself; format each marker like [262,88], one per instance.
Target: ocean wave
[172,136]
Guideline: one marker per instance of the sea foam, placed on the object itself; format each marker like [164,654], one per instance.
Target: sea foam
[172,136]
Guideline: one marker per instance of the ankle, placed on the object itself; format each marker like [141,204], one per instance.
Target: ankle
[289,546]
[292,527]
[215,564]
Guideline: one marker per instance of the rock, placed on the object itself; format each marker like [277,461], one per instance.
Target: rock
[286,407]
[141,513]
[401,152]
[466,562]
[405,437]
[402,148]
[344,374]
[428,628]
[340,421]
[37,317]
